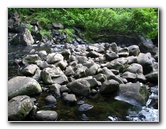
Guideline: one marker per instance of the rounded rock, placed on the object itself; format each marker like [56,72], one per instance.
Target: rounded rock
[46,115]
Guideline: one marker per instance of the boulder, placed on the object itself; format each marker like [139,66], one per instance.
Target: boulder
[19,107]
[152,77]
[42,53]
[112,47]
[54,58]
[123,52]
[30,70]
[30,59]
[46,115]
[23,38]
[134,50]
[146,60]
[135,68]
[50,100]
[131,77]
[110,75]
[70,99]
[55,90]
[92,70]
[57,25]
[22,85]
[111,56]
[41,64]
[53,75]
[109,87]
[79,87]
[118,64]
[133,93]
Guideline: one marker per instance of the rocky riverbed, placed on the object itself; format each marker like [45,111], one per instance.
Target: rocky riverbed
[55,80]
[80,82]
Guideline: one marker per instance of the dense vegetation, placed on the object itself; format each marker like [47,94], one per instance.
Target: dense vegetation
[96,22]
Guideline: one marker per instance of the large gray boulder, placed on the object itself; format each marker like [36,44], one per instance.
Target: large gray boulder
[54,58]
[19,107]
[135,68]
[23,38]
[134,50]
[133,93]
[109,87]
[53,75]
[146,60]
[30,70]
[22,85]
[79,87]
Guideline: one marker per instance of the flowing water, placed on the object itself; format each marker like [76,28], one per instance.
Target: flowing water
[104,108]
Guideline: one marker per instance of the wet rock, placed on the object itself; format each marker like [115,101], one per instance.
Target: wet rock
[110,75]
[46,115]
[111,56]
[64,88]
[93,82]
[118,64]
[112,47]
[84,117]
[133,93]
[55,90]
[53,75]
[109,87]
[146,60]
[80,71]
[54,58]
[23,38]
[69,71]
[100,77]
[134,50]
[92,70]
[61,64]
[80,102]
[30,59]
[131,77]
[79,87]
[152,77]
[135,68]
[85,107]
[42,53]
[141,77]
[29,70]
[70,99]
[123,52]
[22,85]
[41,64]
[50,100]
[81,59]
[19,107]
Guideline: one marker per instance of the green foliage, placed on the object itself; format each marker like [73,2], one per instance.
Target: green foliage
[29,27]
[46,33]
[97,21]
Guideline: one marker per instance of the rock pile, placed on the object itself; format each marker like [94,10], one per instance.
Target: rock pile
[81,70]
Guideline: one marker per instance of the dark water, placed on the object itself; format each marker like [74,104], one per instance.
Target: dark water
[103,107]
